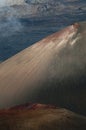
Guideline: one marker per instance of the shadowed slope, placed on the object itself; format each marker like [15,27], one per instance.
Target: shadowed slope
[40,117]
[51,71]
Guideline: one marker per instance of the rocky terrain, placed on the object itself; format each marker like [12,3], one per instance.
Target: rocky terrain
[40,117]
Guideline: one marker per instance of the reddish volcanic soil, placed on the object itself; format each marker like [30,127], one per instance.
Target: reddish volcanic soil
[40,117]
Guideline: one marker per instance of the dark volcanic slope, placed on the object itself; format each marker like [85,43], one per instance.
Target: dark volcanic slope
[51,71]
[40,117]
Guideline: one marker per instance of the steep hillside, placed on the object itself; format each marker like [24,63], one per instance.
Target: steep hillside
[51,71]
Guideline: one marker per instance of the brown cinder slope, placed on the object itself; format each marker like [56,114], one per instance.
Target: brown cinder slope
[40,117]
[52,71]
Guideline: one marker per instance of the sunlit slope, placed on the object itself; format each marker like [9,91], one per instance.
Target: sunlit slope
[51,71]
